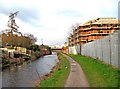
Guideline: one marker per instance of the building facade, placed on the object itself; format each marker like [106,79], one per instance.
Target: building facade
[92,30]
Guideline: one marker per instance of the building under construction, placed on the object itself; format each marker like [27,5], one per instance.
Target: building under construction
[92,30]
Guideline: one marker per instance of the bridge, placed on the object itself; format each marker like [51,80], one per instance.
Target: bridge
[56,49]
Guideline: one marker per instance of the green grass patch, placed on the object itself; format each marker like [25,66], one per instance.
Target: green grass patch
[98,73]
[59,76]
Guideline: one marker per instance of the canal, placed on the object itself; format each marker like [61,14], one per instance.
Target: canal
[28,75]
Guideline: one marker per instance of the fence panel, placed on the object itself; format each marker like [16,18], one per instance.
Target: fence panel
[119,49]
[94,45]
[77,48]
[99,49]
[106,49]
[83,50]
[114,49]
[72,50]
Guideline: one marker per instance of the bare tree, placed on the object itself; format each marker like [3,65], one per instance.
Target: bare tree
[13,26]
[32,38]
[14,39]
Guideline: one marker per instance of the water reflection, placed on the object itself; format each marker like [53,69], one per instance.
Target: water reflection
[27,75]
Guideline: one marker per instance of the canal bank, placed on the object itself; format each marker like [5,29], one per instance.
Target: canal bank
[18,55]
[59,74]
[28,75]
[18,59]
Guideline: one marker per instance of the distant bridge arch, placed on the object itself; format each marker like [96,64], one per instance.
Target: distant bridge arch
[56,49]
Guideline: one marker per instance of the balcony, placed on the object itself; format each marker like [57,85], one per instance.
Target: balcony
[100,27]
[99,33]
[77,40]
[84,29]
[76,32]
[83,40]
[91,40]
[84,34]
[77,35]
[115,27]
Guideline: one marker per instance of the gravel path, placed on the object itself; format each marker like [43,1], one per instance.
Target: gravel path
[76,77]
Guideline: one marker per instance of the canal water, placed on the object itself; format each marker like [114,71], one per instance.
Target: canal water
[28,75]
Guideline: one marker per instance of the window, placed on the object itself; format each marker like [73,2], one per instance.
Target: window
[99,25]
[100,31]
[108,25]
[87,40]
[115,25]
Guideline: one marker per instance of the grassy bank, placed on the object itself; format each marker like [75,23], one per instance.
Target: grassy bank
[59,76]
[98,73]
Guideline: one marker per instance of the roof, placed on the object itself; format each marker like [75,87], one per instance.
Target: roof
[102,21]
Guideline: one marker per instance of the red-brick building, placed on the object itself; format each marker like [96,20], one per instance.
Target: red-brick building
[15,39]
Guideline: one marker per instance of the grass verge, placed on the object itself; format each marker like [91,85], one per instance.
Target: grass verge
[59,75]
[98,73]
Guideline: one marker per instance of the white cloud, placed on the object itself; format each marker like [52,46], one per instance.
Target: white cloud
[52,19]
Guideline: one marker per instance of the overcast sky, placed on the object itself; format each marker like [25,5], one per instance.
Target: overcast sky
[51,20]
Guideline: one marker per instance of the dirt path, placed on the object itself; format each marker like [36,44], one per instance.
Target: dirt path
[76,77]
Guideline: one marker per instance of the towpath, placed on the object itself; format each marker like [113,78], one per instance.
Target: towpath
[76,77]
